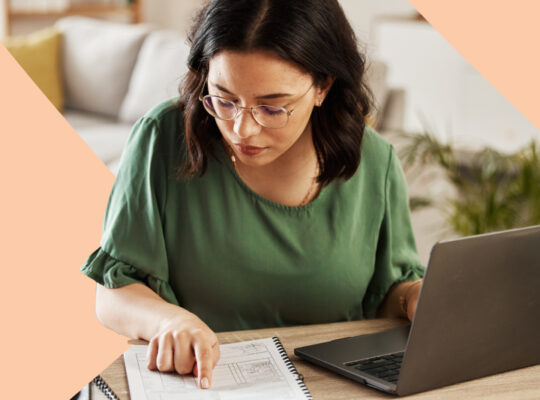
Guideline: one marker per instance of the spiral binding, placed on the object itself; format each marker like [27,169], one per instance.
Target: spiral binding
[102,385]
[292,368]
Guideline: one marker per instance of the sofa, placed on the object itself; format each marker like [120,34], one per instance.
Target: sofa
[112,74]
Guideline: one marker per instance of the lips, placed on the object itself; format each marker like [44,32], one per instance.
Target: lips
[249,150]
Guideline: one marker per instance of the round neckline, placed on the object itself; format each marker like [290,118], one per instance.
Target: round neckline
[305,207]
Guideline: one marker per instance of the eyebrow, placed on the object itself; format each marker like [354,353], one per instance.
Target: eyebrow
[266,96]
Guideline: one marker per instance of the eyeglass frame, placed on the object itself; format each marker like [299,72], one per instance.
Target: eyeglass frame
[240,108]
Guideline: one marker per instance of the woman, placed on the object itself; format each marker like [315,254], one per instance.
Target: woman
[260,198]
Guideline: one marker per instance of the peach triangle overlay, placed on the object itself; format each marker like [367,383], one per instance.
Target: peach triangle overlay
[498,38]
[55,191]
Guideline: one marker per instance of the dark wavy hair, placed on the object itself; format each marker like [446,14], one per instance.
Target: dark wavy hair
[313,34]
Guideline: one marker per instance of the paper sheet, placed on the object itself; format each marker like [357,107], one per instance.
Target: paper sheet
[246,370]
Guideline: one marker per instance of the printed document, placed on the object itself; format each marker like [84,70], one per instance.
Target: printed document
[256,369]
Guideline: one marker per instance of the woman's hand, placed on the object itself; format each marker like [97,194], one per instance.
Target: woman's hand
[401,301]
[179,340]
[413,292]
[185,345]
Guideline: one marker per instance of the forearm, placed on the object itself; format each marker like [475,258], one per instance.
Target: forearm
[135,310]
[395,303]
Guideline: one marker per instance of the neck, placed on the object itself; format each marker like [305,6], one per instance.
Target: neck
[290,179]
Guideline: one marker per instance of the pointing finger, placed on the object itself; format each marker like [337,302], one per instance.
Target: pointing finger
[205,362]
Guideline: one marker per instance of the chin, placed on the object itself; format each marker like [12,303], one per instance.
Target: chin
[254,161]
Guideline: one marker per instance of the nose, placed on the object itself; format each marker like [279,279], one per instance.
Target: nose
[244,124]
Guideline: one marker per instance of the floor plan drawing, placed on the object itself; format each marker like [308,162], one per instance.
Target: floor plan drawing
[246,370]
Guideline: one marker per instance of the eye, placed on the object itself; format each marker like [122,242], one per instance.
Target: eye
[270,110]
[225,103]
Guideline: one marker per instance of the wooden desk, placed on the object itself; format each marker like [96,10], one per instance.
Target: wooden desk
[518,384]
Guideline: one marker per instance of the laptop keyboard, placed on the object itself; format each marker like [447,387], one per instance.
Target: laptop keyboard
[383,367]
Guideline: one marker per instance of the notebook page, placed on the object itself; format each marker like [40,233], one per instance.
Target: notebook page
[246,370]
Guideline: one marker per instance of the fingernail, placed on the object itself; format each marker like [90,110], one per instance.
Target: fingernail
[204,383]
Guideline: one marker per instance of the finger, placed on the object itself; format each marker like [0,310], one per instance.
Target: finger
[195,370]
[205,363]
[216,353]
[183,354]
[165,353]
[151,354]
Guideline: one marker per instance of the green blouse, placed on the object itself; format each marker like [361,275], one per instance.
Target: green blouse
[240,261]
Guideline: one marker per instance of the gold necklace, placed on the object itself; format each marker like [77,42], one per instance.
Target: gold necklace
[313,185]
[306,198]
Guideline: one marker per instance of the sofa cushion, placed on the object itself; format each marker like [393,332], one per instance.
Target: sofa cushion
[98,59]
[160,66]
[39,55]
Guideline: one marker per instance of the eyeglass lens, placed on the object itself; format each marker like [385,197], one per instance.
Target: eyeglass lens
[268,116]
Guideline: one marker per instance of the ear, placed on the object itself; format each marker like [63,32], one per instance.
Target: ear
[323,90]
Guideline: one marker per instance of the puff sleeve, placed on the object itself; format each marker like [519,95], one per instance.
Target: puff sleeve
[132,247]
[396,259]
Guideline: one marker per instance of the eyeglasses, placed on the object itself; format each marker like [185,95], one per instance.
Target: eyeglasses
[272,117]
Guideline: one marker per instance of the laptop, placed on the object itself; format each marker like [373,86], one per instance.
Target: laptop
[478,314]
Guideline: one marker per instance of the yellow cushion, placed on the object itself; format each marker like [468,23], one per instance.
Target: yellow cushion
[39,55]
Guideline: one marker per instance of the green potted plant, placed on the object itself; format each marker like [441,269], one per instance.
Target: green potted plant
[494,191]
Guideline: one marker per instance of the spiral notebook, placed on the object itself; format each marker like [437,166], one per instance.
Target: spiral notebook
[253,369]
[99,390]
